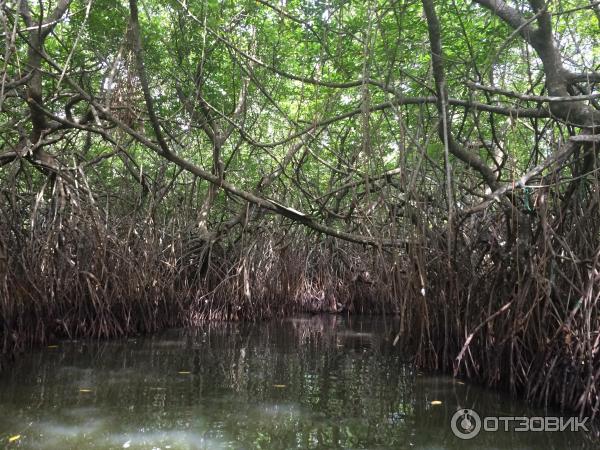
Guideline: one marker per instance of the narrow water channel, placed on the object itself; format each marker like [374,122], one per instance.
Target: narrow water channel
[306,383]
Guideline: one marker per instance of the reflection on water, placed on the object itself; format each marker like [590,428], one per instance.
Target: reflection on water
[310,382]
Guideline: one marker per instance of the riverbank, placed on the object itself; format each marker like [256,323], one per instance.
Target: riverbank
[503,321]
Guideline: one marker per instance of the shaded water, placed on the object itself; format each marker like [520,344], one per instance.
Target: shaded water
[309,382]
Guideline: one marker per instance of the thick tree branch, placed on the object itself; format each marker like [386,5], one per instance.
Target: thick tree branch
[511,16]
[557,77]
[445,133]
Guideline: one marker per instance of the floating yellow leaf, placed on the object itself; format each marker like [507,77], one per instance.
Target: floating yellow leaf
[14,438]
[184,372]
[85,390]
[279,385]
[436,402]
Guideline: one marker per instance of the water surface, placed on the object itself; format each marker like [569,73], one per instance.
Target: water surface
[306,383]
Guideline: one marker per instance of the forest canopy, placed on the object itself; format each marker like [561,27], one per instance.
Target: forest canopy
[328,109]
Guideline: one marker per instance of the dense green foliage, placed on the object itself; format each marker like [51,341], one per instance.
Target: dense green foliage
[344,89]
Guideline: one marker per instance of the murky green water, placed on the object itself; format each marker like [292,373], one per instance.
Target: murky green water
[314,382]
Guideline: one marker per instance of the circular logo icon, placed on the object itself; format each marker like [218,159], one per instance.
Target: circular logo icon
[465,424]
